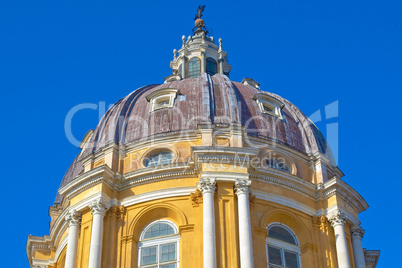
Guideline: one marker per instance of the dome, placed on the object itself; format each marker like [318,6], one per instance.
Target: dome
[206,100]
[222,172]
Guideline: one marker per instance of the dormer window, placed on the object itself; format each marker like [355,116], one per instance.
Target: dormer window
[269,105]
[194,67]
[162,98]
[212,66]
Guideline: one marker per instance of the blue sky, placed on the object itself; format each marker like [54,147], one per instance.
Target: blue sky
[57,54]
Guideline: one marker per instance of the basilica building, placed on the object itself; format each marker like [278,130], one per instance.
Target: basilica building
[203,172]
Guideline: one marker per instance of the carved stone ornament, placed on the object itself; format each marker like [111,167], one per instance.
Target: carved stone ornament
[357,232]
[99,206]
[337,217]
[242,186]
[73,217]
[206,185]
[196,198]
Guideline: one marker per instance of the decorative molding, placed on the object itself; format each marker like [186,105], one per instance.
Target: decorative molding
[309,247]
[73,217]
[99,206]
[357,232]
[196,198]
[242,187]
[186,228]
[321,223]
[338,217]
[159,194]
[206,185]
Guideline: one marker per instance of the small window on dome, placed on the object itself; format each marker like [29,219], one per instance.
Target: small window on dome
[194,67]
[212,66]
[269,105]
[159,158]
[162,98]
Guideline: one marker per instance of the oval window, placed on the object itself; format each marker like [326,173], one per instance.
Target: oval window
[278,163]
[159,158]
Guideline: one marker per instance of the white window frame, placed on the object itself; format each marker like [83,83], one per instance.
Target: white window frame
[282,246]
[263,100]
[162,95]
[175,238]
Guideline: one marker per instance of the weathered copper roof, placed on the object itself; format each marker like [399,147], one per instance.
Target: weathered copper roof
[215,100]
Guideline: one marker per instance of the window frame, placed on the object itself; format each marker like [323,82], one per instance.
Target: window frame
[282,246]
[158,241]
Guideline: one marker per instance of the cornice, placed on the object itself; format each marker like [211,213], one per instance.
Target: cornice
[338,187]
[100,173]
[286,180]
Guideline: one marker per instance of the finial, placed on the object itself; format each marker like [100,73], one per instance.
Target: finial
[199,23]
[199,12]
[174,54]
[183,38]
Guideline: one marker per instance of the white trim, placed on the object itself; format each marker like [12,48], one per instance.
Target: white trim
[286,201]
[60,248]
[159,194]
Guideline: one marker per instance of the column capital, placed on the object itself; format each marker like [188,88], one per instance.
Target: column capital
[99,206]
[242,186]
[357,232]
[338,217]
[206,186]
[73,217]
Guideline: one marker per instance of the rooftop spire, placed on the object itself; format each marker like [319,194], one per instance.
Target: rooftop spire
[198,54]
[199,23]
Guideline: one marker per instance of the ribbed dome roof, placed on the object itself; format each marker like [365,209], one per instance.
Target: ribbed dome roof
[215,100]
[208,100]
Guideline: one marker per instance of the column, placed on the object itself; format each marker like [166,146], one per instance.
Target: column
[73,218]
[207,188]
[245,239]
[203,62]
[338,220]
[98,209]
[357,235]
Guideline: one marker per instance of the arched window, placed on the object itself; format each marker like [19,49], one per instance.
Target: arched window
[278,163]
[159,245]
[159,158]
[283,250]
[212,67]
[194,66]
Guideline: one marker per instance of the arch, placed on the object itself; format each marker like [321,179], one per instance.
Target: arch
[153,213]
[288,219]
[283,249]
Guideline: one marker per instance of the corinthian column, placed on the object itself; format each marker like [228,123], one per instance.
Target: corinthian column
[207,188]
[73,218]
[98,209]
[357,235]
[245,239]
[338,220]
